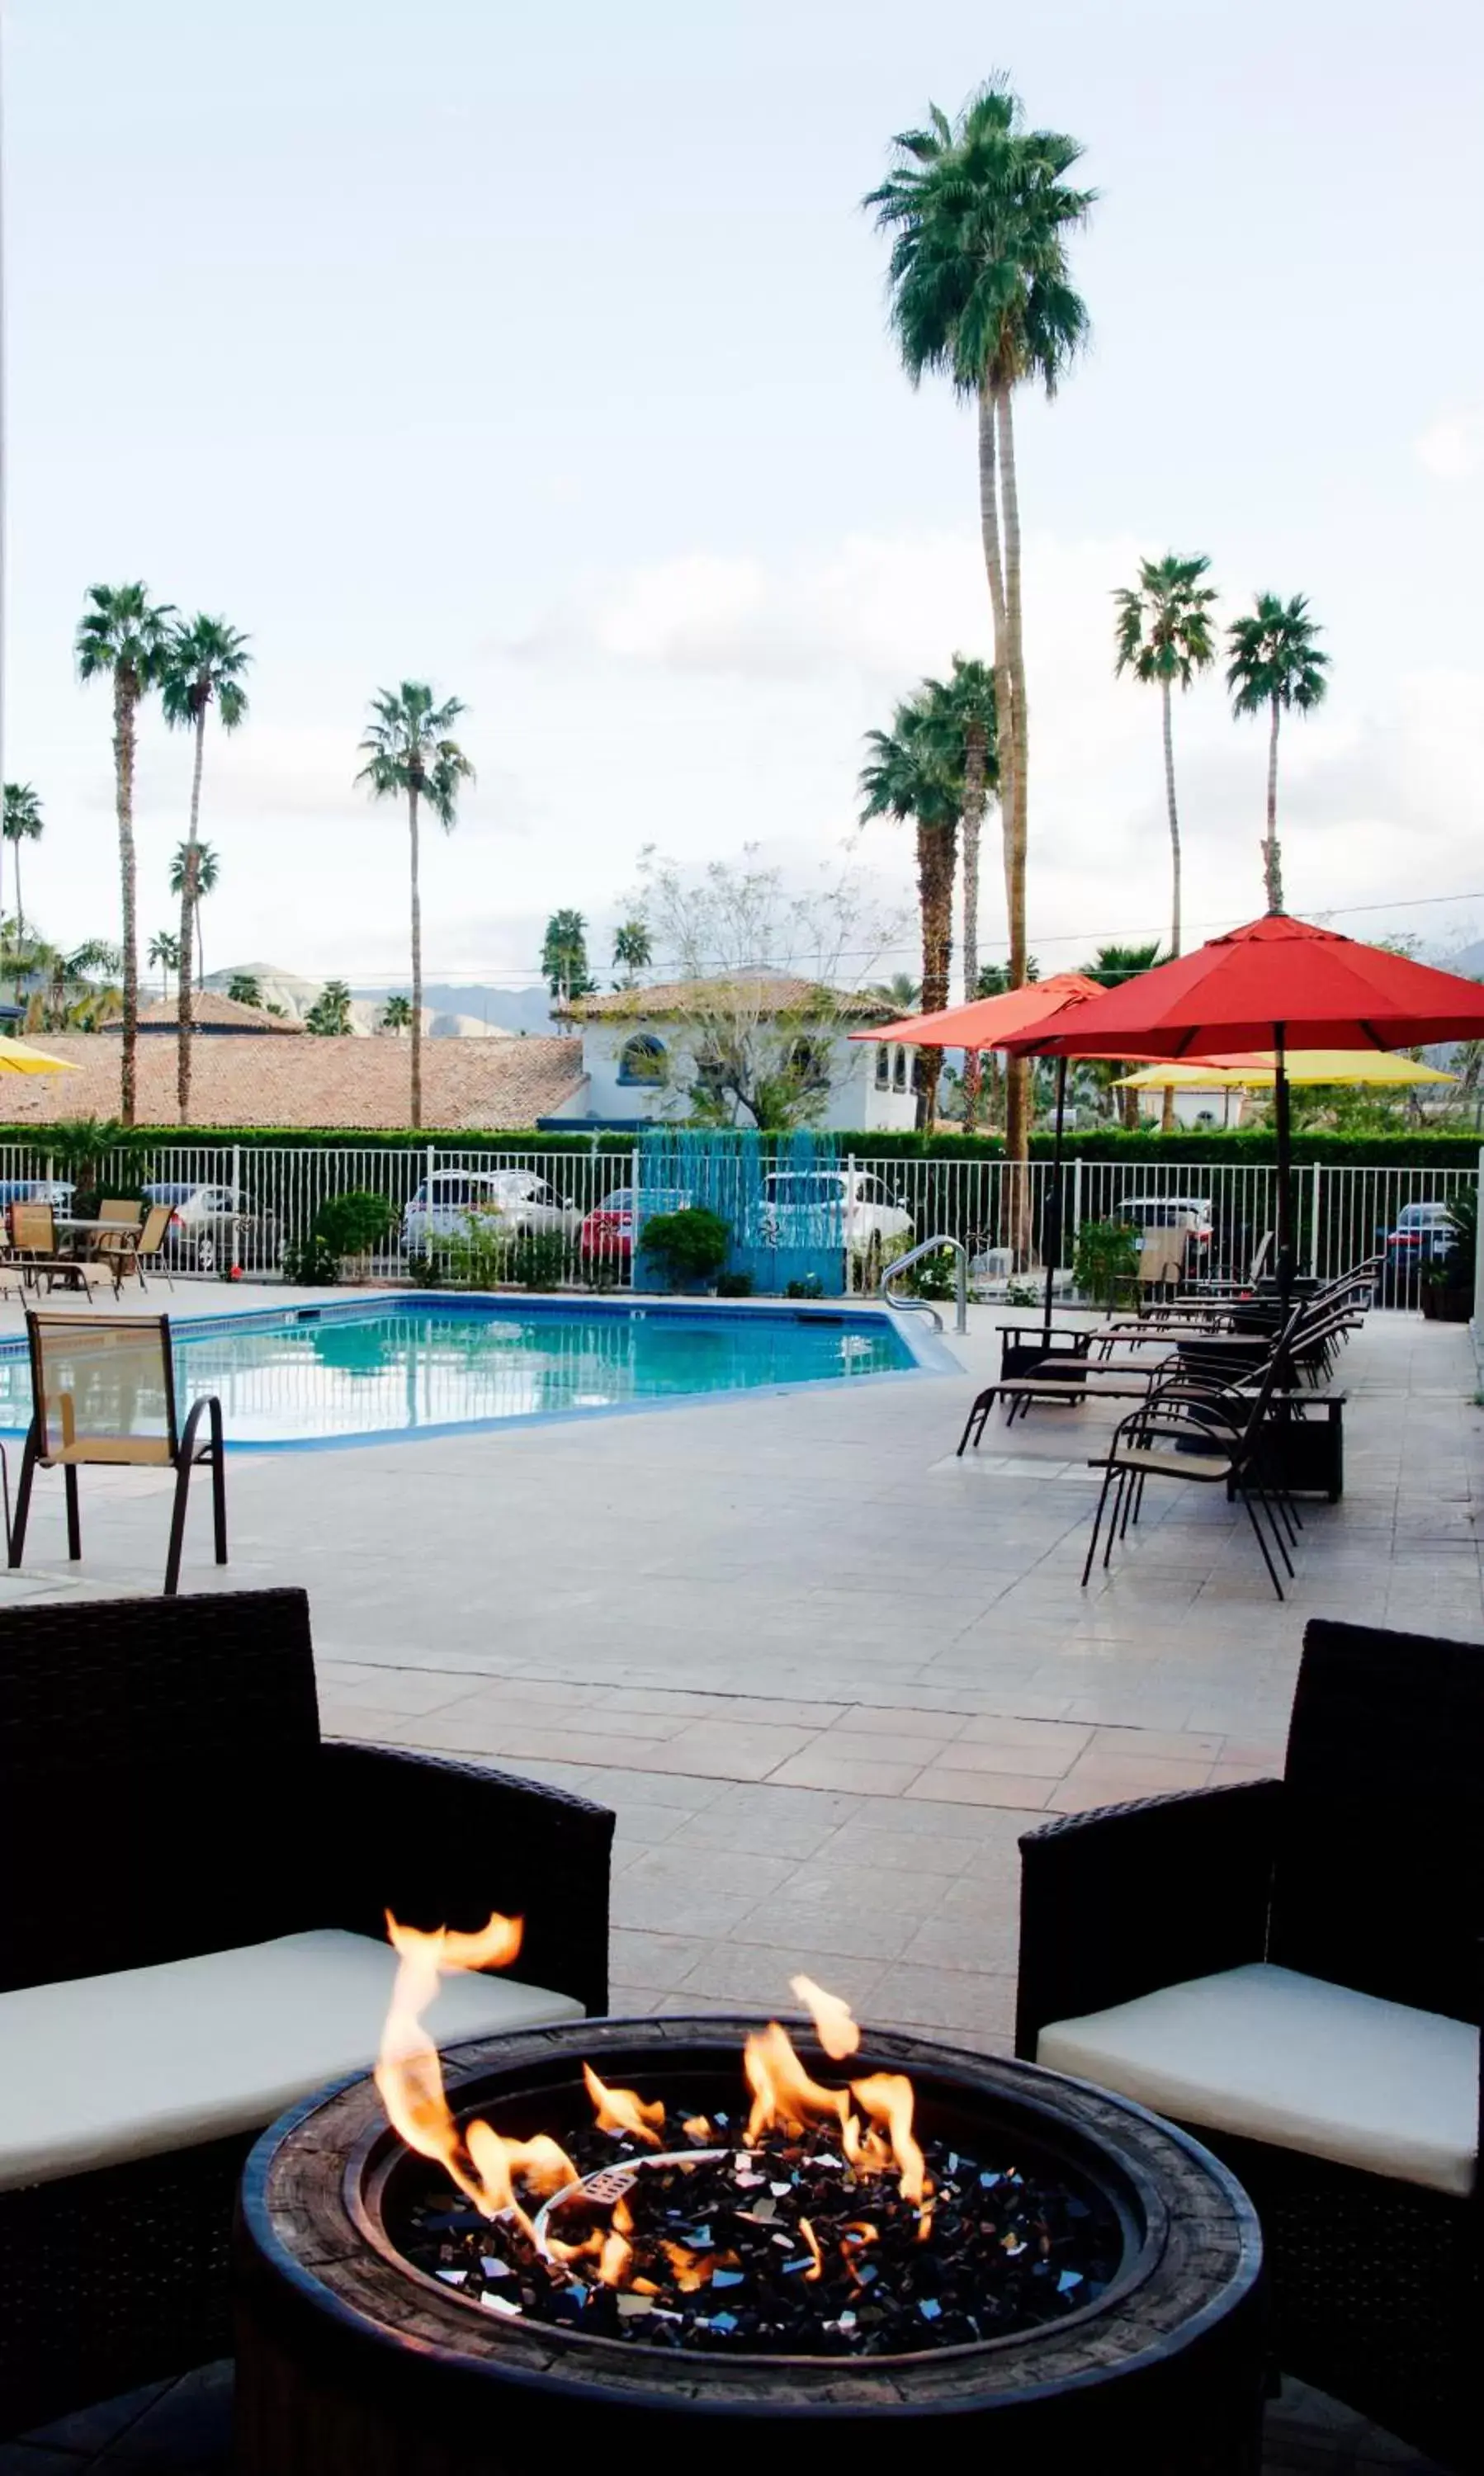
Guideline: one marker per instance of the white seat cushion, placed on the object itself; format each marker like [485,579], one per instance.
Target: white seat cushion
[101,2070]
[1295,2061]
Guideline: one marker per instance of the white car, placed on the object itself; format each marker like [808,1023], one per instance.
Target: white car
[446,1204]
[1191,1213]
[814,1207]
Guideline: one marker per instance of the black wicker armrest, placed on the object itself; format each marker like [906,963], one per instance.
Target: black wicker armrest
[1119,1901]
[442,1842]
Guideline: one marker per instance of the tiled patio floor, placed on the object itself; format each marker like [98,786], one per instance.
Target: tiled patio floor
[825,1673]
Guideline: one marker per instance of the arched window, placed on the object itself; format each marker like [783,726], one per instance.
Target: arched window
[808,1062]
[899,1075]
[883,1066]
[643,1059]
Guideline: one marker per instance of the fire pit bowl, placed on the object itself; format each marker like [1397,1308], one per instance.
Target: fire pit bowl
[351,2359]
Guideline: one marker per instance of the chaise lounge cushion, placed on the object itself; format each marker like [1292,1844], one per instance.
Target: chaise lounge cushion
[1273,2056]
[96,2071]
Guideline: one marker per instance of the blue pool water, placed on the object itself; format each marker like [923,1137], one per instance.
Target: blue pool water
[416,1365]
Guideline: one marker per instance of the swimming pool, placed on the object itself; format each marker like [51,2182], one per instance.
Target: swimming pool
[371,1370]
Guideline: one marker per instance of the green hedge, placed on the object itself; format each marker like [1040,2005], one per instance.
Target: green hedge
[1193,1146]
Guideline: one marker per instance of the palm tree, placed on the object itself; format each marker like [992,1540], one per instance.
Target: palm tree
[961,724]
[80,990]
[23,822]
[900,995]
[633,950]
[330,1013]
[903,776]
[979,210]
[396,1014]
[193,872]
[164,949]
[1164,636]
[1275,662]
[411,753]
[124,635]
[1113,965]
[246,989]
[203,666]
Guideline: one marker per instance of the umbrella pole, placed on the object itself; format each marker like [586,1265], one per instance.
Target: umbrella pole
[1053,1201]
[1283,1125]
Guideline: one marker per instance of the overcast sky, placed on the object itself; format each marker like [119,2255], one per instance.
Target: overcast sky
[541,353]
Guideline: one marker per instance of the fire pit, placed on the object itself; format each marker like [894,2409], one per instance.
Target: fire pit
[687,2228]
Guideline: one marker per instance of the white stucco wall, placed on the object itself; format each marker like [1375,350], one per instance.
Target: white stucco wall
[855,1100]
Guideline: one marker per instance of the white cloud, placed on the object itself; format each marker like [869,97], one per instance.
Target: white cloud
[1451,449]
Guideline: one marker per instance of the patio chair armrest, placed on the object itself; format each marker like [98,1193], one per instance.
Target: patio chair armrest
[1130,1898]
[442,1842]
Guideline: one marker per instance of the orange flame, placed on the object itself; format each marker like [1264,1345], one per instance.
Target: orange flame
[833,2026]
[410,2077]
[887,2099]
[816,2268]
[783,2095]
[617,2251]
[623,2111]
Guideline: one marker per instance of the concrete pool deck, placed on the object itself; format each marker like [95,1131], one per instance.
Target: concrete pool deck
[825,1673]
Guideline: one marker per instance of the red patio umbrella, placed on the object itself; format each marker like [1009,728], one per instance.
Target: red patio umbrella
[987,1023]
[1020,1016]
[1275,984]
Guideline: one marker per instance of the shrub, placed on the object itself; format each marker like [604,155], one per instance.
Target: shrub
[354,1222]
[1454,1269]
[810,1287]
[689,1245]
[1107,1252]
[934,1276]
[733,1285]
[486,1255]
[309,1264]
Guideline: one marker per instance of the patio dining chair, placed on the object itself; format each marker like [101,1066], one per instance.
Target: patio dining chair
[129,1246]
[126,1209]
[1209,1435]
[33,1250]
[103,1392]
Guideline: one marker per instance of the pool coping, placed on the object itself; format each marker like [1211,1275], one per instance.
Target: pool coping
[926,1349]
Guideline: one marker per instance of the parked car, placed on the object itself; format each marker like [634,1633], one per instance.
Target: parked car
[445,1204]
[58,1191]
[606,1235]
[1191,1213]
[1422,1235]
[806,1207]
[211,1227]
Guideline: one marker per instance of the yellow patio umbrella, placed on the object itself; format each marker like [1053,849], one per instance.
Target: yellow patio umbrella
[1257,1072]
[18,1057]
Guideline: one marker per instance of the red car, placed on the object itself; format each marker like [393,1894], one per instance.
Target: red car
[606,1235]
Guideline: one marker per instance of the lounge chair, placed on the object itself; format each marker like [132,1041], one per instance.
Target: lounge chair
[1205,1435]
[1291,1969]
[103,1392]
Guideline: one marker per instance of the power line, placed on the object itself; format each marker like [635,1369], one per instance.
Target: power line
[519,978]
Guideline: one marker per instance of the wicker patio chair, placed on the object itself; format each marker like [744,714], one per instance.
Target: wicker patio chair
[34,1249]
[1291,1967]
[167,1805]
[103,1392]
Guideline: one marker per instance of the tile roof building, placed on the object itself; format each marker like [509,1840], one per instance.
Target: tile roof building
[257,1079]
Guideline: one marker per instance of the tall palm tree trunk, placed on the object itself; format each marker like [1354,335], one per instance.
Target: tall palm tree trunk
[1272,856]
[188,926]
[1017,1114]
[1167,1113]
[935,858]
[994,569]
[125,700]
[976,759]
[21,908]
[199,945]
[416,1111]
